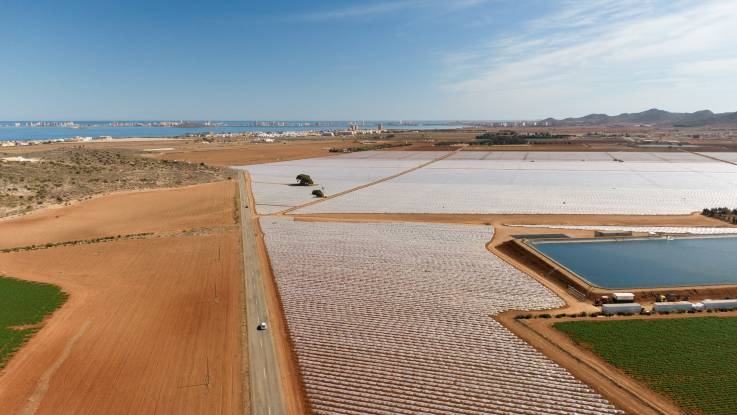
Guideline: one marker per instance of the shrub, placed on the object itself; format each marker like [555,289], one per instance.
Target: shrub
[304,180]
[318,193]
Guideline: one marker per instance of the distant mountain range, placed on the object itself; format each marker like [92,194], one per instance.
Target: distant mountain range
[653,117]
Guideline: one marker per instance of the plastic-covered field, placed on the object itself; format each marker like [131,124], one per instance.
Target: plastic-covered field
[580,156]
[273,188]
[574,183]
[394,318]
[654,229]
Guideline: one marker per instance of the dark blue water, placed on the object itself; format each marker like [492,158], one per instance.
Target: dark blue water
[10,132]
[648,263]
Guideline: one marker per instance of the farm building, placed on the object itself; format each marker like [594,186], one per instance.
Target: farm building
[626,308]
[672,306]
[719,304]
[623,297]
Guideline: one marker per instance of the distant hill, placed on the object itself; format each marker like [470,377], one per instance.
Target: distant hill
[654,117]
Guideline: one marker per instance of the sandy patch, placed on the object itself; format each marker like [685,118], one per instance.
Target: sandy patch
[21,159]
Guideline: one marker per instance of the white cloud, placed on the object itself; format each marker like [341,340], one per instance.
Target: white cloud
[384,7]
[603,48]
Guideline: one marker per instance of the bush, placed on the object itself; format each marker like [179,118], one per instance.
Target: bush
[318,193]
[545,315]
[304,180]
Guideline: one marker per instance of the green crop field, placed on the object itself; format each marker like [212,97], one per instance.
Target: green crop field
[23,304]
[691,360]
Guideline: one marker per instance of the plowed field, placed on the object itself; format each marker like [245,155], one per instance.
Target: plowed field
[151,325]
[191,207]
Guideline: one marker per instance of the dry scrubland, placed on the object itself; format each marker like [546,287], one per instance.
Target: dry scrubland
[543,183]
[70,173]
[398,321]
[151,325]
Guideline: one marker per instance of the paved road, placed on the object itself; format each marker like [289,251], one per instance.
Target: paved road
[265,385]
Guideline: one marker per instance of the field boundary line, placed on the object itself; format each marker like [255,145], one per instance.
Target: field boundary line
[710,157]
[363,186]
[126,237]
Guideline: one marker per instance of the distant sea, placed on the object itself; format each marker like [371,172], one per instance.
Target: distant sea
[86,129]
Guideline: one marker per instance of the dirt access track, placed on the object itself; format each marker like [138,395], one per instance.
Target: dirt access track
[152,325]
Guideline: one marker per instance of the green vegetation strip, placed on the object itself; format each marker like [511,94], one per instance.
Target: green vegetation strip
[23,305]
[691,360]
[76,242]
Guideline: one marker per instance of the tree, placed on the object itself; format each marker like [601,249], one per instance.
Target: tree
[318,193]
[304,180]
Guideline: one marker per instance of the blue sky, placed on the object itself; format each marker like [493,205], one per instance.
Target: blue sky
[352,60]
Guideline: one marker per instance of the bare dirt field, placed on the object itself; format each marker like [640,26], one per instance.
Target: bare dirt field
[152,325]
[177,209]
[242,153]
